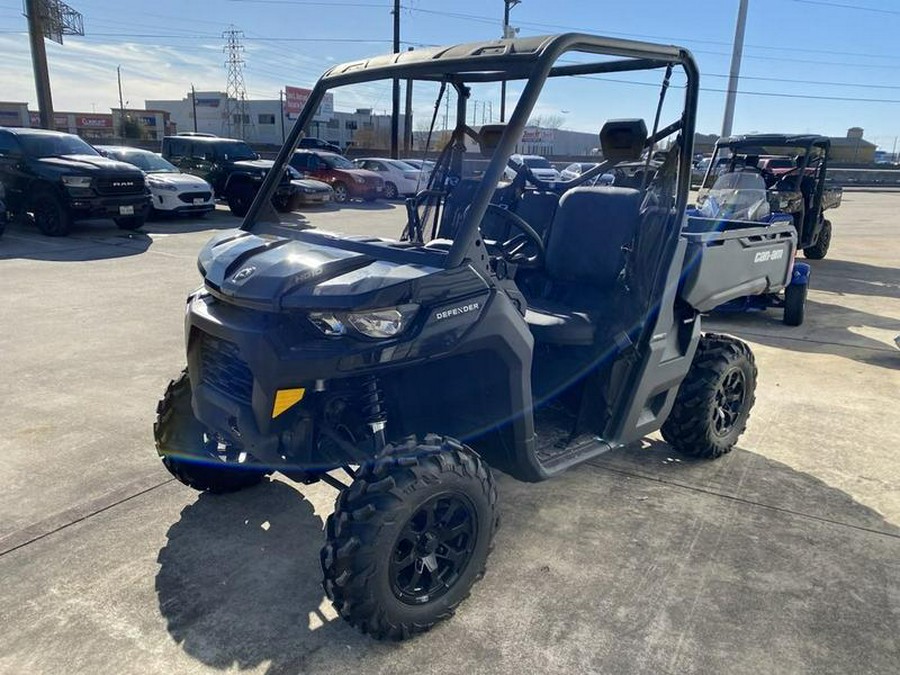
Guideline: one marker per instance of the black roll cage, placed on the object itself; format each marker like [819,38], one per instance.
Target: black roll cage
[532,59]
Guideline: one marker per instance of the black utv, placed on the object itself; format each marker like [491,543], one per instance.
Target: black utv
[510,328]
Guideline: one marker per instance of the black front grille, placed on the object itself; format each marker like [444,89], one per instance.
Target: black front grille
[120,185]
[189,197]
[223,369]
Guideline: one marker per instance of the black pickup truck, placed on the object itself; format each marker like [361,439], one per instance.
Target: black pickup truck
[58,178]
[232,167]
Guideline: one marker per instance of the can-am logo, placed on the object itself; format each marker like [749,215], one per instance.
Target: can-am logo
[456,311]
[243,274]
[767,256]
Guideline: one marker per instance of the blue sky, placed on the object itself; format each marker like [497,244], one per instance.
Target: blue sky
[845,52]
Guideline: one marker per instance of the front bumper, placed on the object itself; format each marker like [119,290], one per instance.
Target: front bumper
[109,207]
[365,190]
[183,202]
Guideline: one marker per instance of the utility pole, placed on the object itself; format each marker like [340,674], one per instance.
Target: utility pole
[121,103]
[735,74]
[39,60]
[281,108]
[507,5]
[395,94]
[407,117]
[194,105]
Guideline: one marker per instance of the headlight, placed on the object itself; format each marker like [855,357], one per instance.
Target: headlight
[373,323]
[359,179]
[161,185]
[77,181]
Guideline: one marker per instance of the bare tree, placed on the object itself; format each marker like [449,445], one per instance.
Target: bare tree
[546,121]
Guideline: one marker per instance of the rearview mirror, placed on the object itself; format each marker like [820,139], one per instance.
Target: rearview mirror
[489,138]
[623,140]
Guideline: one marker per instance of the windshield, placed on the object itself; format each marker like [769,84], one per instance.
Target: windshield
[536,163]
[337,162]
[403,166]
[785,163]
[237,151]
[41,145]
[740,195]
[145,161]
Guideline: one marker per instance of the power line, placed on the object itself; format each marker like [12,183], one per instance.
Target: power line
[842,5]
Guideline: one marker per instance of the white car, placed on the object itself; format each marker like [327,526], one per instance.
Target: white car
[173,192]
[540,167]
[422,164]
[575,169]
[399,177]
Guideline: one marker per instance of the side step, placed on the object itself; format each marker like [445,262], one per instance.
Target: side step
[558,454]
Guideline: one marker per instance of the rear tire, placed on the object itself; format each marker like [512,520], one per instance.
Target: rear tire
[240,197]
[186,450]
[131,222]
[50,215]
[820,249]
[409,537]
[390,191]
[714,401]
[795,304]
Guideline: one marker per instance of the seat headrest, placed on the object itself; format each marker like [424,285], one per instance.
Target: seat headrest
[623,140]
[489,138]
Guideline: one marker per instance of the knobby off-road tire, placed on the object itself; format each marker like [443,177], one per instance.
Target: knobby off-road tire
[820,249]
[795,304]
[187,452]
[382,522]
[714,401]
[50,215]
[240,197]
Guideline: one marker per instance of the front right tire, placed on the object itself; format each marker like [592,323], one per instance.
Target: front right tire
[240,197]
[189,453]
[409,537]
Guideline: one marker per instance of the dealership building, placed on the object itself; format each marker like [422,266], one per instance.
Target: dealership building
[153,124]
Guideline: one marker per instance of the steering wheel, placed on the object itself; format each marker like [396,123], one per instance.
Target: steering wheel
[525,249]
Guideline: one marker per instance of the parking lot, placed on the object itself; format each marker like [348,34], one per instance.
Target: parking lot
[784,556]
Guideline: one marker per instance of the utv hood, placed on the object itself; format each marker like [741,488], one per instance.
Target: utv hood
[271,273]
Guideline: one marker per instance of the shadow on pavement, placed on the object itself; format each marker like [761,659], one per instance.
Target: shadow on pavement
[844,276]
[89,240]
[829,329]
[641,560]
[239,582]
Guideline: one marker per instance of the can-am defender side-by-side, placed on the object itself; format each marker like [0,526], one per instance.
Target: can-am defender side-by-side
[791,173]
[539,327]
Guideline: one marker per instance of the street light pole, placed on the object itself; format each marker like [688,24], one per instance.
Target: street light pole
[395,93]
[507,5]
[733,78]
[39,61]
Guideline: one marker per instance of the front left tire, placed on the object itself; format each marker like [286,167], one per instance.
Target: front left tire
[50,215]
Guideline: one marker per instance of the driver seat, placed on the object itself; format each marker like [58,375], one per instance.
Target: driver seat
[584,263]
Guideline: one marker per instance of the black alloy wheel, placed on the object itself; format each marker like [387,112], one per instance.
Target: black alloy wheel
[434,549]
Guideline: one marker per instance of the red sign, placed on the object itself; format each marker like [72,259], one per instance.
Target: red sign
[94,121]
[294,99]
[58,120]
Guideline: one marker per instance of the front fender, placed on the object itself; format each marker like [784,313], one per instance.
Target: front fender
[800,274]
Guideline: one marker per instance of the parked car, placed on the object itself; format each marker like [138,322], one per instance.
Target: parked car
[4,215]
[173,192]
[311,191]
[399,177]
[347,180]
[58,178]
[232,167]
[425,164]
[540,167]
[309,143]
[575,169]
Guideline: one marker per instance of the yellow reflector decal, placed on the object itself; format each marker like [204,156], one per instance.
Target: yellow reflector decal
[285,398]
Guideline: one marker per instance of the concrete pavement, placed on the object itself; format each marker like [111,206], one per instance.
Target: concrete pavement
[781,557]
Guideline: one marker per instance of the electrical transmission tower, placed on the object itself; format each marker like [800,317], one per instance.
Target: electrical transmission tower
[237,118]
